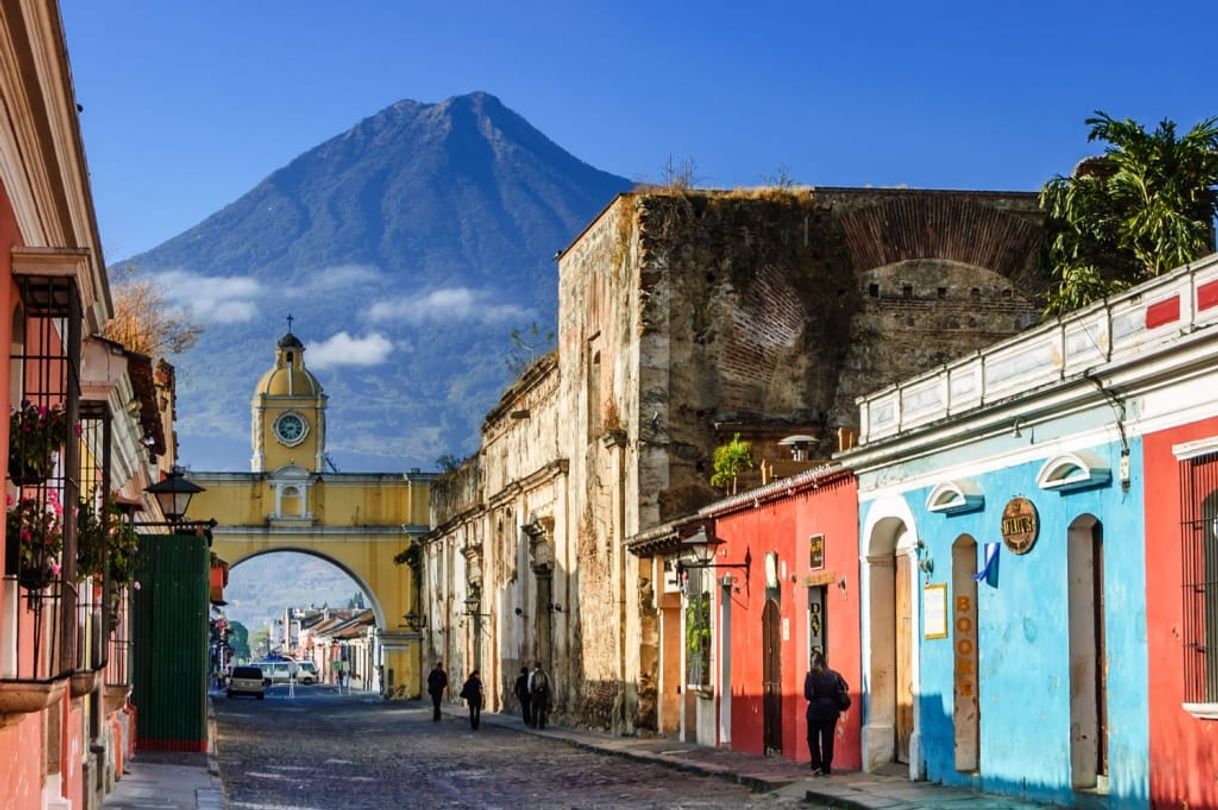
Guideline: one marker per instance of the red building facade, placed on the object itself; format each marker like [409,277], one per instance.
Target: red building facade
[799,593]
[1181,499]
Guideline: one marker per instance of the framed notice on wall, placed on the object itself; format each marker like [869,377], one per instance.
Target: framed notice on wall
[816,552]
[934,610]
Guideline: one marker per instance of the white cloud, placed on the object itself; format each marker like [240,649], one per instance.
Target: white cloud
[344,350]
[211,299]
[449,304]
[335,277]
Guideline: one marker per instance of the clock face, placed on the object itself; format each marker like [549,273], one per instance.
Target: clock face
[290,429]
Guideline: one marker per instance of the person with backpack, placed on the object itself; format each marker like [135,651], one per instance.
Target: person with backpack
[437,682]
[522,694]
[539,694]
[828,695]
[472,692]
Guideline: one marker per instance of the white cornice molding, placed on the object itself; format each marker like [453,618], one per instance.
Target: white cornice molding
[1190,450]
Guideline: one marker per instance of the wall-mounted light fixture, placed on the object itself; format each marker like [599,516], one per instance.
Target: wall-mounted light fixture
[415,621]
[702,546]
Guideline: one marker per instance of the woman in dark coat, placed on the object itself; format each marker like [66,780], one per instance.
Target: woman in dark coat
[472,692]
[821,690]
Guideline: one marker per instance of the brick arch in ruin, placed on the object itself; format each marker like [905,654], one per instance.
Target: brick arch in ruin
[949,228]
[939,277]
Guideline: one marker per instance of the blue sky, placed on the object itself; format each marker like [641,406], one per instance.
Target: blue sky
[188,105]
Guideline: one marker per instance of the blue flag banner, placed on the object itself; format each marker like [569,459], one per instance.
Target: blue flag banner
[989,571]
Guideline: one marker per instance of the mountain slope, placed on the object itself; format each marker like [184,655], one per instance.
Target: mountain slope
[426,233]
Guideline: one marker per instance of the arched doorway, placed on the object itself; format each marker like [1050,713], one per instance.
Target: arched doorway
[771,667]
[889,732]
[1088,662]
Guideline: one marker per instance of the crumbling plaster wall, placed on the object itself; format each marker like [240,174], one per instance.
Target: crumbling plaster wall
[500,527]
[680,313]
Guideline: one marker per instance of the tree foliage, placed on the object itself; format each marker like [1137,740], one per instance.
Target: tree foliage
[143,321]
[729,461]
[238,640]
[1146,206]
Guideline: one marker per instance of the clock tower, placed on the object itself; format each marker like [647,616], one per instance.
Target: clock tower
[288,413]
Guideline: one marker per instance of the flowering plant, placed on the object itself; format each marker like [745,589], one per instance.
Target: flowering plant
[38,530]
[35,434]
[100,533]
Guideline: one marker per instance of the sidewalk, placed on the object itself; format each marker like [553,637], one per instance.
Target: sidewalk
[769,774]
[180,780]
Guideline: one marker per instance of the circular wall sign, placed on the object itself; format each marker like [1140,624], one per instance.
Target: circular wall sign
[1020,525]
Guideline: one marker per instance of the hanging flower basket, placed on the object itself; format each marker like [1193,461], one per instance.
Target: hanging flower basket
[34,578]
[36,434]
[38,529]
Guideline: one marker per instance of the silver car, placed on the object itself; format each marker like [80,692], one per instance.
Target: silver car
[247,681]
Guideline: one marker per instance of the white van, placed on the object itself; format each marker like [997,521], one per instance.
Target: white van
[306,672]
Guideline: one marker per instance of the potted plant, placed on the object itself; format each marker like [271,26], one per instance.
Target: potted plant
[90,540]
[35,435]
[38,529]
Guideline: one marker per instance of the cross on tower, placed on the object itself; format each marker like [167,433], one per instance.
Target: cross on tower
[290,319]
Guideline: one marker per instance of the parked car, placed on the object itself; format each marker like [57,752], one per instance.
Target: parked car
[247,681]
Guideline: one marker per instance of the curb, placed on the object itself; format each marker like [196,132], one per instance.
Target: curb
[756,784]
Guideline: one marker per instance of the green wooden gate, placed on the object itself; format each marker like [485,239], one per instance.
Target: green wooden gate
[170,643]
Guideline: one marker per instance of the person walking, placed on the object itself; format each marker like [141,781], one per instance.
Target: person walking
[540,691]
[825,690]
[437,682]
[472,692]
[522,694]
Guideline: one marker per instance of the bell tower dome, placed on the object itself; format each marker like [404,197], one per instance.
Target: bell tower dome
[288,412]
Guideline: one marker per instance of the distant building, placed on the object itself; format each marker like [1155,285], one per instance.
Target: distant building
[289,501]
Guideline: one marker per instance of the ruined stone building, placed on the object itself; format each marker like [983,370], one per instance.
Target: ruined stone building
[684,318]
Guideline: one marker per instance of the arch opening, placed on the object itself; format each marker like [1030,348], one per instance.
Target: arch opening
[300,605]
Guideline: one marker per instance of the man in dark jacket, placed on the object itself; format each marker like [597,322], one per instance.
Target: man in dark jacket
[821,688]
[522,694]
[437,682]
[540,690]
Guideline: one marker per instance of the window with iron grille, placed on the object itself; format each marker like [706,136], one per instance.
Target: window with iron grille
[1199,538]
[697,629]
[44,482]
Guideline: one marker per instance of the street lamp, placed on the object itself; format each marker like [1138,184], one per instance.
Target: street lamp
[173,493]
[701,546]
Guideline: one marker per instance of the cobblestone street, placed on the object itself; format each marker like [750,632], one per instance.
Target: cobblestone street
[320,750]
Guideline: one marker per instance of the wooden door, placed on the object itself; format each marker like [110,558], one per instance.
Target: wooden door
[904,652]
[1088,687]
[1101,656]
[771,676]
[543,621]
[966,708]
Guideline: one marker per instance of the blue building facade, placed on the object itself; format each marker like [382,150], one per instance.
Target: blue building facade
[1003,554]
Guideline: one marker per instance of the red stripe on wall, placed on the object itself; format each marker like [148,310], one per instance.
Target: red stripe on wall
[1207,295]
[1162,312]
